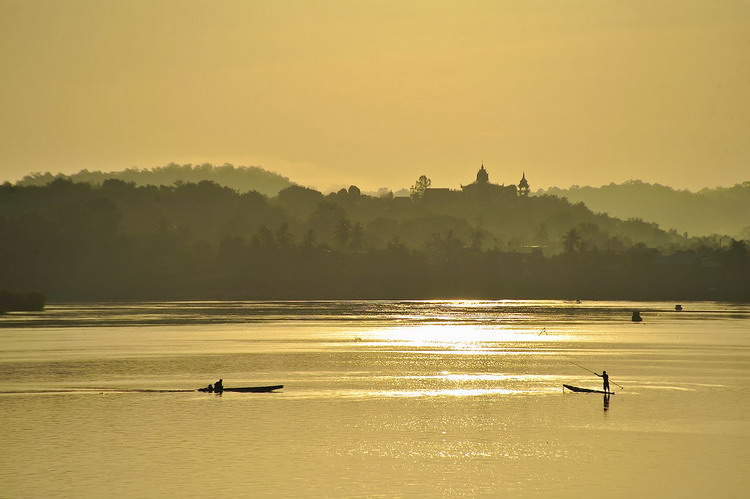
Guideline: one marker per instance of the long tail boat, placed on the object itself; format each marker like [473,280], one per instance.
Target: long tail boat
[245,389]
[585,390]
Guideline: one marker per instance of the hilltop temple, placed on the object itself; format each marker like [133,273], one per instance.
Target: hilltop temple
[480,189]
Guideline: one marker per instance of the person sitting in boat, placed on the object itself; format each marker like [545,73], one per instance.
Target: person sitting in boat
[605,381]
[219,386]
[210,388]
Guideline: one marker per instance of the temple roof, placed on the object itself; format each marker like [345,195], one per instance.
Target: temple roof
[523,182]
[482,176]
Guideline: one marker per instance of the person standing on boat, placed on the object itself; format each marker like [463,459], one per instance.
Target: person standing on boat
[219,385]
[605,381]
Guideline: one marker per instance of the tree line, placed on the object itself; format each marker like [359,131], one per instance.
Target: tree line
[118,240]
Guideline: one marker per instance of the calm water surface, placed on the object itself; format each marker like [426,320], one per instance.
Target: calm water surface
[381,399]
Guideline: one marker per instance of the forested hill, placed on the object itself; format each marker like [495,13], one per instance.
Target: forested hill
[77,241]
[240,178]
[724,210]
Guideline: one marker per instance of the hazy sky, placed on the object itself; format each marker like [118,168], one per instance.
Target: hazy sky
[376,93]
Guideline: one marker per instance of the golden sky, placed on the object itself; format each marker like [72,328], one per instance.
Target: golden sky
[376,93]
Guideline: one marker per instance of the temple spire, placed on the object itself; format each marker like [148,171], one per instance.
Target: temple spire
[523,186]
[482,176]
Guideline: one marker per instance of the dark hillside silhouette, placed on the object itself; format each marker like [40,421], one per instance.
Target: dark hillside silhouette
[723,210]
[240,178]
[117,240]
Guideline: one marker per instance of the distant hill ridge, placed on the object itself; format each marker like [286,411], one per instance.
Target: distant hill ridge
[722,210]
[239,178]
[78,241]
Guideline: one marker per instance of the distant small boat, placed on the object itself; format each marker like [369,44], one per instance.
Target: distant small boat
[636,316]
[678,308]
[585,390]
[246,389]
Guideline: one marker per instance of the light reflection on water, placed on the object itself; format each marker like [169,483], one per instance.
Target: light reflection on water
[390,312]
[381,398]
[445,392]
[464,336]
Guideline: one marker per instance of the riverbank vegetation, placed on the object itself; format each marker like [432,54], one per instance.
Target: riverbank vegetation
[117,240]
[21,302]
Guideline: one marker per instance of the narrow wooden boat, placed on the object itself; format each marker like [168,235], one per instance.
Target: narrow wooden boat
[247,389]
[585,390]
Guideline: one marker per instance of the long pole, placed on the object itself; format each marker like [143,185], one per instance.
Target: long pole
[592,372]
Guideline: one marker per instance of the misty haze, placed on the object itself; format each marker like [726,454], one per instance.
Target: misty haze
[374,249]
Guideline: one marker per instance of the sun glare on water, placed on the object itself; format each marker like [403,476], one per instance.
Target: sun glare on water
[463,337]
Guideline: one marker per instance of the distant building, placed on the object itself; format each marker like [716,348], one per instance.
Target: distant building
[480,189]
[523,186]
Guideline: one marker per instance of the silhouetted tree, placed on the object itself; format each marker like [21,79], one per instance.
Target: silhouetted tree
[264,239]
[299,201]
[418,189]
[326,219]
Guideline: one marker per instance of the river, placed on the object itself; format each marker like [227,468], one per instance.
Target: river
[380,399]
